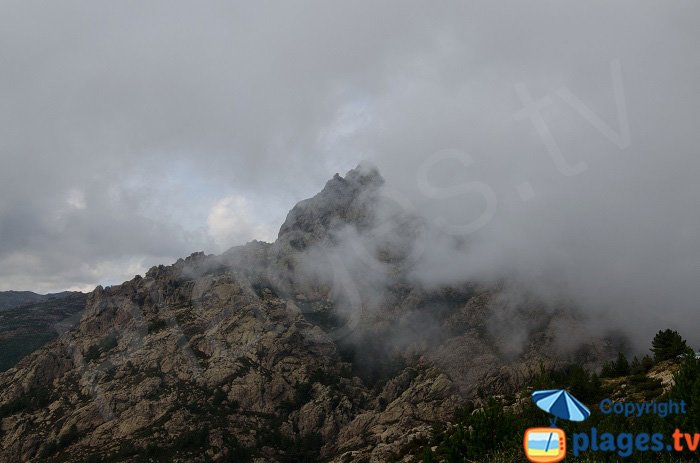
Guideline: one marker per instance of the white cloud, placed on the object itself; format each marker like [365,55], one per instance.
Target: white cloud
[230,223]
[76,198]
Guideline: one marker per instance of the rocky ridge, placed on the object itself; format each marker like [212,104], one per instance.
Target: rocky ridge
[247,356]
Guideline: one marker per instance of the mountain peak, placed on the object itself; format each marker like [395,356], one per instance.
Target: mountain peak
[343,200]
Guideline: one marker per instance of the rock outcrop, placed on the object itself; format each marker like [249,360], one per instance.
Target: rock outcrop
[242,357]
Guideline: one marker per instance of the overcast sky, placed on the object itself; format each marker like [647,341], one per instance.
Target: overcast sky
[561,136]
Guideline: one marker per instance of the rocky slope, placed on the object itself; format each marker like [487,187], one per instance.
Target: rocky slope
[299,350]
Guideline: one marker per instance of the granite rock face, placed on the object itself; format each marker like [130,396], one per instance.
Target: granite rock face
[254,356]
[344,200]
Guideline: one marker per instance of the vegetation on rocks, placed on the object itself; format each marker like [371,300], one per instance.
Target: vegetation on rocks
[490,431]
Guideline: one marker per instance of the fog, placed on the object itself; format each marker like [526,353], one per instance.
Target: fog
[557,140]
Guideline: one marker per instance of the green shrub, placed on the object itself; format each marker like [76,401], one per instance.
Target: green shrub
[303,392]
[48,449]
[495,434]
[616,368]
[219,396]
[477,433]
[157,325]
[69,437]
[105,344]
[93,353]
[35,398]
[108,343]
[687,387]
[192,439]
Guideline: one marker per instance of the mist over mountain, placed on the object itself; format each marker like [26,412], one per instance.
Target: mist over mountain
[566,156]
[322,344]
[515,190]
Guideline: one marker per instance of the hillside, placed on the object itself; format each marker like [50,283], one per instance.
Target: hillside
[491,429]
[278,352]
[31,320]
[14,299]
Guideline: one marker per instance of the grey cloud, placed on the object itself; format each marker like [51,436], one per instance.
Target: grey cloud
[265,101]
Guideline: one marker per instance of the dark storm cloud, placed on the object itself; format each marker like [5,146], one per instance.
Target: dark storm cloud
[132,133]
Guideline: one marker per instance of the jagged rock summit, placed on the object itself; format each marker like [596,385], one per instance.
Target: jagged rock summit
[343,200]
[237,358]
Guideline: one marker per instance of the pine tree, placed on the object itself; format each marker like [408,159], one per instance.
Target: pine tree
[622,367]
[636,367]
[687,387]
[667,345]
[608,370]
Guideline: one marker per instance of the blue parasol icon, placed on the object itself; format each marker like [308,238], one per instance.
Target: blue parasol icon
[561,404]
